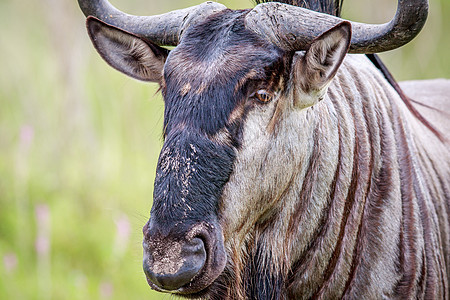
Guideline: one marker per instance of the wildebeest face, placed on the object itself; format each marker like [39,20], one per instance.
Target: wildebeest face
[226,92]
[207,82]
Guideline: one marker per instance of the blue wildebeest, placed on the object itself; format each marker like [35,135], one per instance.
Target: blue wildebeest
[289,170]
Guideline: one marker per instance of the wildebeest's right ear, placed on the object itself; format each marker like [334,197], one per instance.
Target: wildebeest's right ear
[126,52]
[314,70]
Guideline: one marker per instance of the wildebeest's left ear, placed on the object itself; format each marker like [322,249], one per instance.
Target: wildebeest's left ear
[314,70]
[126,52]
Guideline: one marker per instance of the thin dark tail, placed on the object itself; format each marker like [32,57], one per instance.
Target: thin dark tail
[375,59]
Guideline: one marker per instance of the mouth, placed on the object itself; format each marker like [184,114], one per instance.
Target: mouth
[184,291]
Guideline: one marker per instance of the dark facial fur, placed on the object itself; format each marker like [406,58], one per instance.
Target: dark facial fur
[207,82]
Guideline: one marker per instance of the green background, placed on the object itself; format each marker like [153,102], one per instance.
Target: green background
[79,144]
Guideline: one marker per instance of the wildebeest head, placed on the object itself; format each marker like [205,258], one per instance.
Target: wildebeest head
[233,92]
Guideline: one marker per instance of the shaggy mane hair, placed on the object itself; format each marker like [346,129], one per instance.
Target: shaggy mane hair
[331,7]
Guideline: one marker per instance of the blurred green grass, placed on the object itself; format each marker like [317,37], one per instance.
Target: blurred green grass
[79,144]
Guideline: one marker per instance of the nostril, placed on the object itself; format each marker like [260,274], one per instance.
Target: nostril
[194,247]
[176,265]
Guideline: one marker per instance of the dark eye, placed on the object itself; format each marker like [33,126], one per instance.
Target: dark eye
[263,96]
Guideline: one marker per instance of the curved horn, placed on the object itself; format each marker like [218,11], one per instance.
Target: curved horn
[293,27]
[164,30]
